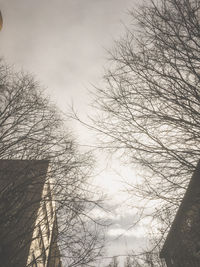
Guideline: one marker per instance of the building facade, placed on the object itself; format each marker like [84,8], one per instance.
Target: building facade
[182,245]
[28,224]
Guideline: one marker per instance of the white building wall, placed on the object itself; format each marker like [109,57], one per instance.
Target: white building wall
[43,230]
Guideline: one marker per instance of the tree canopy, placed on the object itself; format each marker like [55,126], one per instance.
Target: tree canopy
[32,128]
[149,107]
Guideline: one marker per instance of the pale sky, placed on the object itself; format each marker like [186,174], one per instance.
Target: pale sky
[63,44]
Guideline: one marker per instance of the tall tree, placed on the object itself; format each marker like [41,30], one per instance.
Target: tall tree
[32,128]
[114,262]
[150,105]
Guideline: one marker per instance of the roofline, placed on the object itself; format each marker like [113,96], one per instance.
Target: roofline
[28,160]
[180,211]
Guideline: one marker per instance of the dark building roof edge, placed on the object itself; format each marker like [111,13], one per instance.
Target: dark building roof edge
[180,211]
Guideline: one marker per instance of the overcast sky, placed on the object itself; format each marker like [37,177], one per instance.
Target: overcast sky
[63,43]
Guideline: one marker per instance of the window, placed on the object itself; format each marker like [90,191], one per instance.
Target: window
[172,261]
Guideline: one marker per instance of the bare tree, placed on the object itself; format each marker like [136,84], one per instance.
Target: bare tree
[128,262]
[145,259]
[32,130]
[114,262]
[149,108]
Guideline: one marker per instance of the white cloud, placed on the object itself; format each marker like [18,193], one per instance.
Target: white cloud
[138,232]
